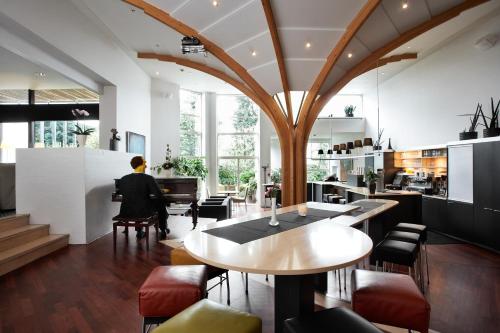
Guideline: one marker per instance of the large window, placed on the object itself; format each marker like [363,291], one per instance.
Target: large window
[335,107]
[237,142]
[191,124]
[317,169]
[55,134]
[12,136]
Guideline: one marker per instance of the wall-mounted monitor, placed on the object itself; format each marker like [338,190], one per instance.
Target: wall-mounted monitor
[136,144]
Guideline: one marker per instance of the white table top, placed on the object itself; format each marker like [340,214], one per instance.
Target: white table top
[314,248]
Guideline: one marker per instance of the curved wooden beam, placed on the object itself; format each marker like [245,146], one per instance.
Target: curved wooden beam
[266,4]
[366,63]
[163,17]
[334,55]
[392,59]
[206,69]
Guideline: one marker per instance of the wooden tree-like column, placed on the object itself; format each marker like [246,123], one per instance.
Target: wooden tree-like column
[294,137]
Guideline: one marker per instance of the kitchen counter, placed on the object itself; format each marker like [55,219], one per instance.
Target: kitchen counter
[366,192]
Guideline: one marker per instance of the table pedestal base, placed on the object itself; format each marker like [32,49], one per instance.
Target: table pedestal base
[293,296]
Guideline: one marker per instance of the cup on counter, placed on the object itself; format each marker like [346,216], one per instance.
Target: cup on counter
[302,210]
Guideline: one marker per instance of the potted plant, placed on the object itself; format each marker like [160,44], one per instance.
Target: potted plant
[167,165]
[81,132]
[379,142]
[491,128]
[371,180]
[471,133]
[349,110]
[113,142]
[190,167]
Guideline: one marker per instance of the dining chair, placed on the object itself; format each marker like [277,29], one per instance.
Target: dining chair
[241,199]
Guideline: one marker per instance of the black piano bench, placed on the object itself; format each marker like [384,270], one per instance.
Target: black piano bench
[136,222]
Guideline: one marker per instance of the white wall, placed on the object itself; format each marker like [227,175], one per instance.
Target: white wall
[419,106]
[70,189]
[165,120]
[62,25]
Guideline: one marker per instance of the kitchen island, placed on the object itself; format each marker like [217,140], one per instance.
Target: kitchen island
[408,210]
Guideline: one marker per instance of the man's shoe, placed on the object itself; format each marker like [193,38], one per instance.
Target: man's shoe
[163,235]
[140,234]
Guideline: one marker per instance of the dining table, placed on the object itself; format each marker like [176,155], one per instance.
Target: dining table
[294,252]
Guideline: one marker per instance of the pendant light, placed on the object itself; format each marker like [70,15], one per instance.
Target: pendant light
[330,150]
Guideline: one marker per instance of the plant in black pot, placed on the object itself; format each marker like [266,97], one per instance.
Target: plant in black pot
[491,127]
[349,110]
[378,144]
[371,180]
[471,133]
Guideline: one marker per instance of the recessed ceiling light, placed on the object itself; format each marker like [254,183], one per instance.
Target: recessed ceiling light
[157,45]
[404,4]
[308,45]
[382,73]
[254,53]
[40,74]
[157,73]
[349,55]
[408,47]
[132,10]
[215,3]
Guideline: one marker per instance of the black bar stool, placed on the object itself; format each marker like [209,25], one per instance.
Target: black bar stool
[400,253]
[422,231]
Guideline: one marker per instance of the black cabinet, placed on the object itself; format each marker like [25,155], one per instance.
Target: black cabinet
[460,220]
[434,213]
[487,194]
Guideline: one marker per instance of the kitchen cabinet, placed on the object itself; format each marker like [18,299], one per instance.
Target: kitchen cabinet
[487,194]
[434,214]
[460,220]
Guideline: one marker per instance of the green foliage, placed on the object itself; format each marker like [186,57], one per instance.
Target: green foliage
[349,110]
[276,176]
[191,167]
[246,175]
[227,176]
[83,130]
[315,173]
[371,177]
[252,186]
[246,117]
[189,136]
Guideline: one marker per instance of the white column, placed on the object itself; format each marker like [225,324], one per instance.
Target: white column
[211,140]
[107,117]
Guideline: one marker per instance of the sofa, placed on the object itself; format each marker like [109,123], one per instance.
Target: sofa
[7,186]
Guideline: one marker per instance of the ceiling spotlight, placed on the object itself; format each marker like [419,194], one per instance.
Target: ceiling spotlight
[40,74]
[349,55]
[408,47]
[308,45]
[215,3]
[157,45]
[157,73]
[404,4]
[254,53]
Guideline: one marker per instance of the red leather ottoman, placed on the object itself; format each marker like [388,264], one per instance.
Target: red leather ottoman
[169,290]
[390,299]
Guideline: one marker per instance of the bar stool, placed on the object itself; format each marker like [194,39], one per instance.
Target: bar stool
[422,231]
[400,253]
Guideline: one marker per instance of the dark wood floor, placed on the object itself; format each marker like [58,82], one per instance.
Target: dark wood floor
[89,289]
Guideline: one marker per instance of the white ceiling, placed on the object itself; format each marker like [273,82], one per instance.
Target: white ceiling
[424,45]
[19,73]
[240,28]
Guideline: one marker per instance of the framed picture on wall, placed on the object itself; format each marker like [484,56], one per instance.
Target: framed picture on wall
[136,144]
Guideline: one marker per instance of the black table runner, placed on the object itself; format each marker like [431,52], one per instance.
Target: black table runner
[245,232]
[364,207]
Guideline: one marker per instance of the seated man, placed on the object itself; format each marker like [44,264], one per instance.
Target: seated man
[137,189]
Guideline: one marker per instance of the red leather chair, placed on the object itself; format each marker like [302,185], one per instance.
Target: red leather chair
[169,290]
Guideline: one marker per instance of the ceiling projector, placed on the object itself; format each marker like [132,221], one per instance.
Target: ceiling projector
[192,45]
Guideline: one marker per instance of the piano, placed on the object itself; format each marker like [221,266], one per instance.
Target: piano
[182,190]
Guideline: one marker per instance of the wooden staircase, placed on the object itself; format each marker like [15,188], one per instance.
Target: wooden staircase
[22,243]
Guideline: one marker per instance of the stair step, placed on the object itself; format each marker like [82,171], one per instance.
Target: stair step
[22,235]
[21,255]
[13,221]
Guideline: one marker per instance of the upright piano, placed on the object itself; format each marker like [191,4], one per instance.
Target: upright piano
[175,190]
